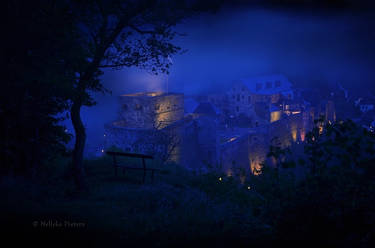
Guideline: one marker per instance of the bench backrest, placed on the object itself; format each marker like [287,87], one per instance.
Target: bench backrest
[133,155]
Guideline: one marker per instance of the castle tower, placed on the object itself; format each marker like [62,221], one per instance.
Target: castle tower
[150,110]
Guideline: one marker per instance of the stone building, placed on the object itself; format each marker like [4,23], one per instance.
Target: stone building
[246,152]
[144,124]
[251,95]
[154,123]
[330,113]
[150,110]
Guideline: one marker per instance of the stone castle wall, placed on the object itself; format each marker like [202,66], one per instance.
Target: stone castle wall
[249,151]
[150,110]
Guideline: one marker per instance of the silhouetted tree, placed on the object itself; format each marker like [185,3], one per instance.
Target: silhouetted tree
[333,203]
[36,86]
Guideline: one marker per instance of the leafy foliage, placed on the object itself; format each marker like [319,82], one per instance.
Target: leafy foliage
[332,202]
[37,83]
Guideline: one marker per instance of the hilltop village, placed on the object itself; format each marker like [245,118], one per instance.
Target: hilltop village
[231,131]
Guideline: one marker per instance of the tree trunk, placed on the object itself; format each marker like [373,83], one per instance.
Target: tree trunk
[80,140]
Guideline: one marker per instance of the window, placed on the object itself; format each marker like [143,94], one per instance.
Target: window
[157,107]
[238,97]
[268,85]
[233,96]
[243,88]
[249,99]
[258,86]
[138,107]
[237,108]
[243,97]
[277,83]
[125,107]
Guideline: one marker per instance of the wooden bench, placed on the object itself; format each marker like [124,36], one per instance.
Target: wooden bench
[132,155]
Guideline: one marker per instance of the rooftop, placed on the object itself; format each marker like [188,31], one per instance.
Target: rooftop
[266,85]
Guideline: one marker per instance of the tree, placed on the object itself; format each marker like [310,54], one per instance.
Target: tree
[36,86]
[118,34]
[336,190]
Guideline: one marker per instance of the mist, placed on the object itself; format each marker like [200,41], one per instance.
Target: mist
[311,48]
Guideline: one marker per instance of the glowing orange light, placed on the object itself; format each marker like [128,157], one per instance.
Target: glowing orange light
[294,135]
[275,116]
[320,129]
[256,167]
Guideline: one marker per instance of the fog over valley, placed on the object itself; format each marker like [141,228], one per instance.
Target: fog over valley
[309,47]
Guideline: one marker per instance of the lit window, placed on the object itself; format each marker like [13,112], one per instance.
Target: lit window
[275,116]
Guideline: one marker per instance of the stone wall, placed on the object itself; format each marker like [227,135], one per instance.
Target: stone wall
[130,140]
[150,110]
[239,99]
[191,141]
[200,143]
[245,154]
[249,151]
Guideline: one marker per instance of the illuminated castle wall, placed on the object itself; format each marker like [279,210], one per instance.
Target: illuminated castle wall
[144,123]
[247,152]
[150,110]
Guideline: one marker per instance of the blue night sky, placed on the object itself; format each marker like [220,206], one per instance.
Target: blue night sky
[306,46]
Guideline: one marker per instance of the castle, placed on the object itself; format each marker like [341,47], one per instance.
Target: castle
[205,131]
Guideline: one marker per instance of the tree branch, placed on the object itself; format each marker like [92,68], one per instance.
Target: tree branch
[141,31]
[114,65]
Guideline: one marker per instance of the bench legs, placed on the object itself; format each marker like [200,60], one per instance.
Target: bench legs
[115,165]
[144,169]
